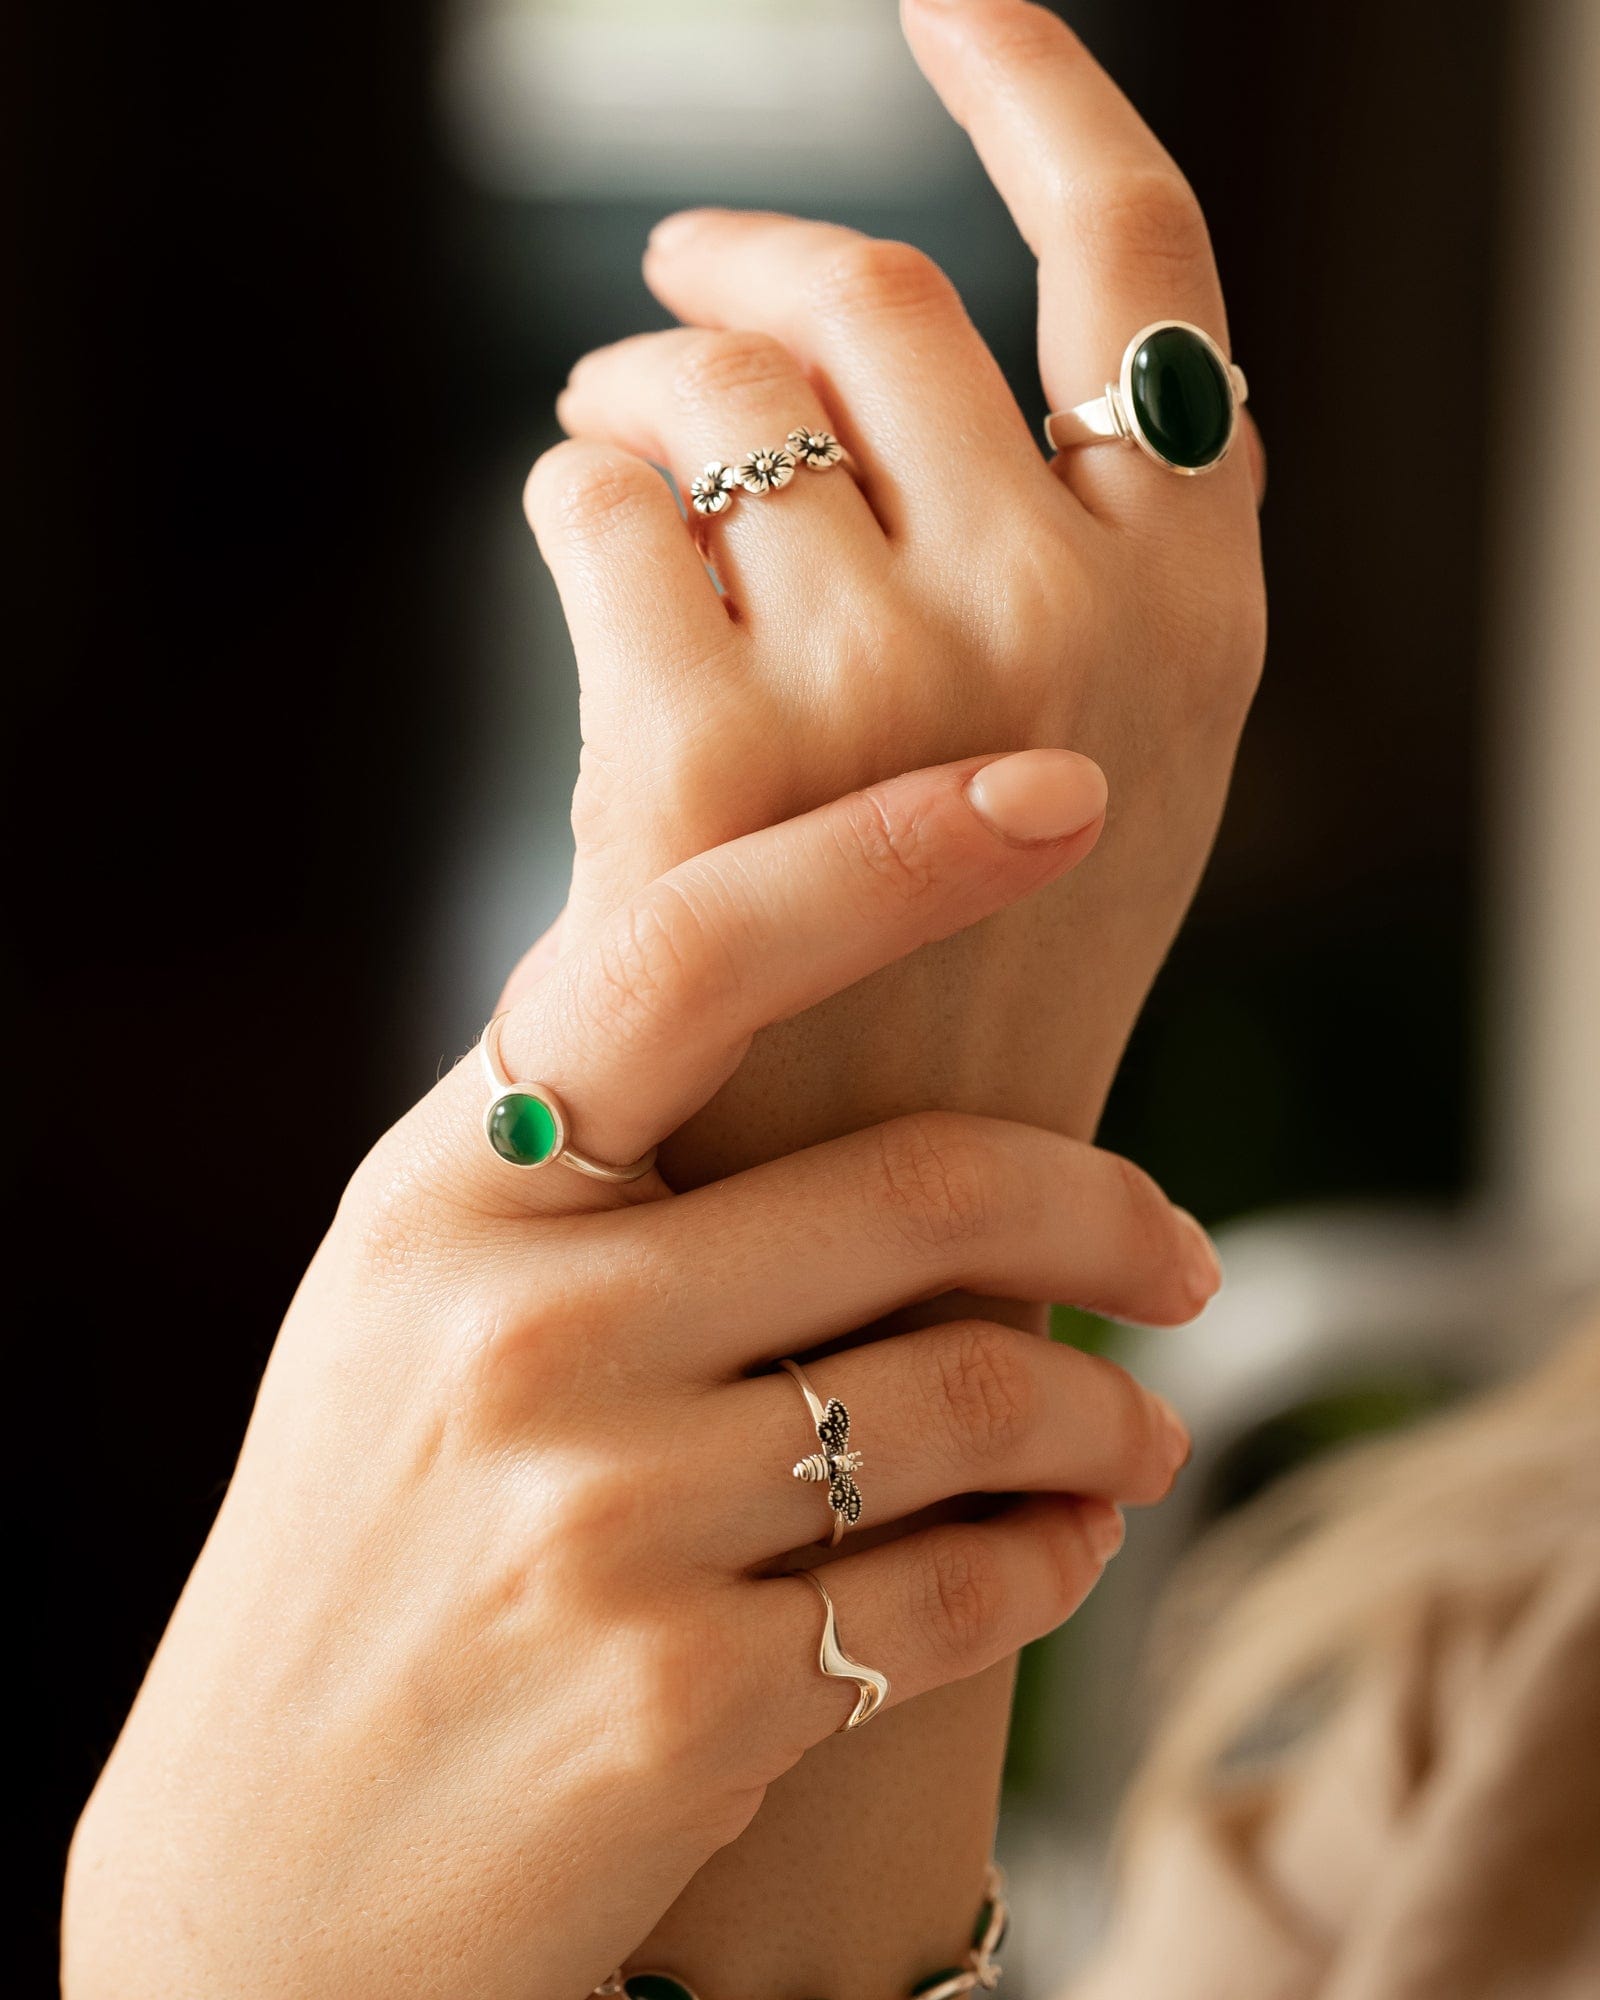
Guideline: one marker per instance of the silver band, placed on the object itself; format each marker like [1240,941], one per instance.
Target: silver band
[1114,417]
[835,1465]
[511,1107]
[837,1664]
[765,469]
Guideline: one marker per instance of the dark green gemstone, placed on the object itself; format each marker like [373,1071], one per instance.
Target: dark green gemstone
[935,1979]
[1182,398]
[522,1129]
[655,1986]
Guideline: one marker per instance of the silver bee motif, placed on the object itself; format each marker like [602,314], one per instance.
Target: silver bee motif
[766,469]
[820,450]
[835,1462]
[714,488]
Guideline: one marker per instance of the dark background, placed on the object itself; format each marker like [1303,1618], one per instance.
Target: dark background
[269,350]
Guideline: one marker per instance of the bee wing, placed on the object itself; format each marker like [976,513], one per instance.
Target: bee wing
[844,1496]
[834,1430]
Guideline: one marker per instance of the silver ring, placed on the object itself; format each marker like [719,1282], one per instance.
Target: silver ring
[837,1664]
[836,1464]
[526,1123]
[766,469]
[1177,398]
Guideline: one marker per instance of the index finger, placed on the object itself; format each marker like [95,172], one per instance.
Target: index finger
[1119,236]
[637,1029]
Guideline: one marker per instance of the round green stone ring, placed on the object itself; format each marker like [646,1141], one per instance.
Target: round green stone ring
[1177,398]
[527,1127]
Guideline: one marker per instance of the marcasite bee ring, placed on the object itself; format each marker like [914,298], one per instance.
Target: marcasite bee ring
[835,1464]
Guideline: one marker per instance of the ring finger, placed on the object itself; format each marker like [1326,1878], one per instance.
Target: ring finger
[725,403]
[969,1407]
[931,1608]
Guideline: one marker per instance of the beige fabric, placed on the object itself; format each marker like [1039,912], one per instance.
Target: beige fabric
[1437,1839]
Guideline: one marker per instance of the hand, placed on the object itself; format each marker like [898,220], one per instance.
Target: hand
[955,592]
[484,1656]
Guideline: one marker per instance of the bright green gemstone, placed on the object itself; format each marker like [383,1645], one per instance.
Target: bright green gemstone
[522,1129]
[1182,398]
[655,1986]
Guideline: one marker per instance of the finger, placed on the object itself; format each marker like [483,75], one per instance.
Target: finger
[968,1407]
[693,399]
[1119,236]
[637,1029]
[645,617]
[909,1210]
[1256,455]
[879,324]
[933,1607]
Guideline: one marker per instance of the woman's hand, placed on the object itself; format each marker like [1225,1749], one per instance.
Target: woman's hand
[485,1655]
[955,592]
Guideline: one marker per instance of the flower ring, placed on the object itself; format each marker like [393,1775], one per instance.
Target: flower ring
[714,488]
[767,468]
[820,450]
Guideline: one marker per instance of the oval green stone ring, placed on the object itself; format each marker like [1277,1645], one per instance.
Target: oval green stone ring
[1177,398]
[526,1124]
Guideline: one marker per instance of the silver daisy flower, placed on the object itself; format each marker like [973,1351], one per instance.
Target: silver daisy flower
[764,471]
[820,450]
[714,488]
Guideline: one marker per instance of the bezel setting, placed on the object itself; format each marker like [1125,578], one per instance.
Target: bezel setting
[542,1094]
[1126,411]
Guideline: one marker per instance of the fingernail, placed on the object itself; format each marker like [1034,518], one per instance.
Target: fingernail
[1180,1444]
[1038,795]
[1200,1259]
[1104,1527]
[671,227]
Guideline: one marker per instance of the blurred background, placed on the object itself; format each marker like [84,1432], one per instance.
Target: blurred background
[295,289]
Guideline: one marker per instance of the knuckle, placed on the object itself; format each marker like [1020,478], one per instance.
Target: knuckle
[933,1182]
[961,1594]
[549,1362]
[586,495]
[603,1516]
[718,368]
[985,1390]
[1147,221]
[892,848]
[656,966]
[871,275]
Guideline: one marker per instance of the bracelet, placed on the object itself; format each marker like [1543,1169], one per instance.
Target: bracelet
[979,1971]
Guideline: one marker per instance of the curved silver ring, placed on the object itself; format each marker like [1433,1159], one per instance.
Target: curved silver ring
[837,1664]
[765,469]
[526,1123]
[1122,414]
[835,1465]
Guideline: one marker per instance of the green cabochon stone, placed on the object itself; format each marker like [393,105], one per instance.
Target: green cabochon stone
[522,1129]
[655,1986]
[1182,397]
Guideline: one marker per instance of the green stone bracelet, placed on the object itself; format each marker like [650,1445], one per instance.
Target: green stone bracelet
[981,1970]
